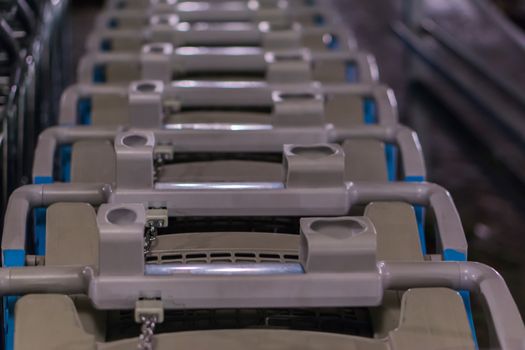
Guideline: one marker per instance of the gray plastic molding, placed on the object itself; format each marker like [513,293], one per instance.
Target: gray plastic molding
[337,267]
[153,95]
[134,4]
[474,277]
[323,199]
[213,11]
[162,61]
[265,140]
[225,34]
[308,289]
[25,198]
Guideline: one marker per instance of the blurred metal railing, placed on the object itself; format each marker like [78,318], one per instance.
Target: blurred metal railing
[32,76]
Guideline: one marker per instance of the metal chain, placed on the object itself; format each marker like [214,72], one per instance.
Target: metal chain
[158,161]
[149,238]
[147,331]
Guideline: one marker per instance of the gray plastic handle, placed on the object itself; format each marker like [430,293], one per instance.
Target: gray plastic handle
[51,138]
[475,277]
[367,70]
[87,64]
[166,5]
[68,115]
[216,59]
[215,11]
[256,93]
[25,198]
[212,290]
[242,202]
[405,138]
[241,13]
[242,94]
[236,34]
[235,140]
[450,229]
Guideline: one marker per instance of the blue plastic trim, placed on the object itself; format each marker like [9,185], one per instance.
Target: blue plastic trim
[65,162]
[12,258]
[113,23]
[319,20]
[84,111]
[333,44]
[454,255]
[351,72]
[105,45]
[391,161]
[420,218]
[9,321]
[99,74]
[39,220]
[414,178]
[370,111]
[42,180]
[420,215]
[370,117]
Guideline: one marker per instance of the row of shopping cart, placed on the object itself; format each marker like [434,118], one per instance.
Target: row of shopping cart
[233,174]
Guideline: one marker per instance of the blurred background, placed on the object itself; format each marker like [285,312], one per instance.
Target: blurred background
[458,70]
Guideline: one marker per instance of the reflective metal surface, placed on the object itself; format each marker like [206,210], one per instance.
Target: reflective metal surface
[219,185]
[218,126]
[225,269]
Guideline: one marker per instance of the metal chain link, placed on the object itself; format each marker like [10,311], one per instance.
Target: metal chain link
[147,331]
[149,238]
[159,159]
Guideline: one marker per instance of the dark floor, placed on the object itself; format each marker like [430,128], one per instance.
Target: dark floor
[490,205]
